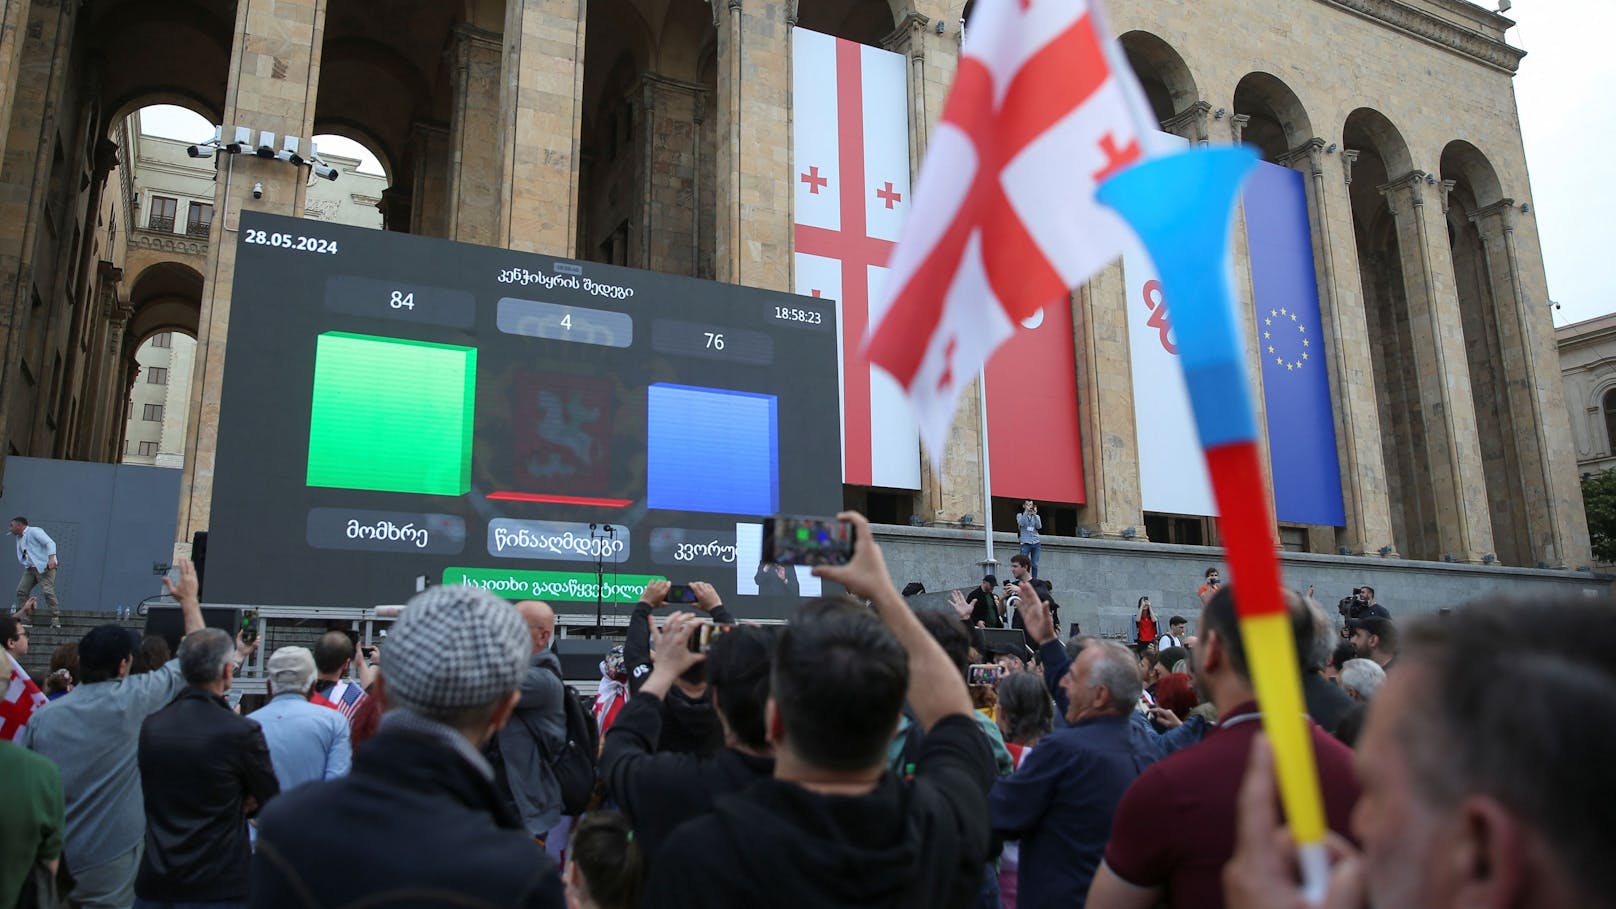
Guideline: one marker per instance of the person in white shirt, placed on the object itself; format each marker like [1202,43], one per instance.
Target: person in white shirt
[1174,636]
[36,552]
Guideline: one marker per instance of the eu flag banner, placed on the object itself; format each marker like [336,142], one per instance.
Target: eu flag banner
[1296,385]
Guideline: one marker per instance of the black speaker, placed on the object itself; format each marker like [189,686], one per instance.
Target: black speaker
[580,657]
[168,623]
[199,557]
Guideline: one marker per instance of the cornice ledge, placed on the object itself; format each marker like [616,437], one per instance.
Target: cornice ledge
[1466,42]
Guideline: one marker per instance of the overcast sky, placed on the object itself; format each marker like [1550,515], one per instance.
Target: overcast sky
[1565,122]
[1568,130]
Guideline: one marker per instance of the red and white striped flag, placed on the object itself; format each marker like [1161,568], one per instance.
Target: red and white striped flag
[23,697]
[1043,110]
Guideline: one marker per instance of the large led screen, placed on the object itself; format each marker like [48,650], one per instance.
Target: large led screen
[400,411]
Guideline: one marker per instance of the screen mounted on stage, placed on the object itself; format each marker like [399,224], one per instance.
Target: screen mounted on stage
[402,410]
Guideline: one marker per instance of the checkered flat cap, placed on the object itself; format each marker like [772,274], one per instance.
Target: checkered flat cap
[455,648]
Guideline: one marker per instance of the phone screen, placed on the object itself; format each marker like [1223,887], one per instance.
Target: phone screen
[680,595]
[791,540]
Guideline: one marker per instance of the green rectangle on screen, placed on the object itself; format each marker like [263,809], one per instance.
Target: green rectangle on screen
[391,415]
[556,586]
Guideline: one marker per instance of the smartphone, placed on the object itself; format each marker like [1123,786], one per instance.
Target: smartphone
[791,540]
[705,634]
[983,673]
[249,625]
[680,595]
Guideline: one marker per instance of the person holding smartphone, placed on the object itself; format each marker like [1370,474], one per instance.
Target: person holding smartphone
[1028,523]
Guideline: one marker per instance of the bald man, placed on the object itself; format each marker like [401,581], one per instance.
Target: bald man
[538,727]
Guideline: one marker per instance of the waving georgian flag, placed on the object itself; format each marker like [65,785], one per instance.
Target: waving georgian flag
[1005,222]
[22,698]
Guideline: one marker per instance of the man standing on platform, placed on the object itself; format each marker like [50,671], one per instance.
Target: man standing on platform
[1028,523]
[36,551]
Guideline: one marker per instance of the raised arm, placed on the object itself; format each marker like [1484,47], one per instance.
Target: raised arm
[186,593]
[935,687]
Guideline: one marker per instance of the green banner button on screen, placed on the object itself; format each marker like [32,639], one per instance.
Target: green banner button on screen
[557,586]
[391,415]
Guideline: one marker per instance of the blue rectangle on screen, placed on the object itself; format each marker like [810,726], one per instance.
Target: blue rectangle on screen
[1290,332]
[712,450]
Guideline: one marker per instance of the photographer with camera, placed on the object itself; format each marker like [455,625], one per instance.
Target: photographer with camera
[689,723]
[1213,582]
[1361,604]
[661,790]
[833,827]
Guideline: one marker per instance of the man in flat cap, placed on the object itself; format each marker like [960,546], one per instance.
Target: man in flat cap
[418,816]
[307,741]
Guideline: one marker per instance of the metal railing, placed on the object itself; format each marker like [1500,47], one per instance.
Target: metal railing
[164,223]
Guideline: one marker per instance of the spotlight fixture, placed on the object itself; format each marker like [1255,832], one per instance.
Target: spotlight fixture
[1330,149]
[1386,550]
[1220,113]
[1084,532]
[967,519]
[1543,564]
[1526,208]
[1129,533]
[1345,550]
[266,145]
[941,26]
[1449,557]
[1489,559]
[1430,180]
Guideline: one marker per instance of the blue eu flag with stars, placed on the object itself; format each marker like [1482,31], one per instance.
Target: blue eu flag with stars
[1290,337]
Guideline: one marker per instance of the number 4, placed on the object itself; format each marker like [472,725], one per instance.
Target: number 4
[566,321]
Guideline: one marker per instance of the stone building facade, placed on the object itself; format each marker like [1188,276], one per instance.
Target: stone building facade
[1588,366]
[657,134]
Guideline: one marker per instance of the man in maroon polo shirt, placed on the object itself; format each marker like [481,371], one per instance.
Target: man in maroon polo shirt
[1178,864]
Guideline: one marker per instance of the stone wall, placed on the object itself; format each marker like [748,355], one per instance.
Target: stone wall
[1098,582]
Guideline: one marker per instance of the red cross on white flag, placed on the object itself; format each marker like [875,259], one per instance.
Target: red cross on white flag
[21,699]
[1042,110]
[851,178]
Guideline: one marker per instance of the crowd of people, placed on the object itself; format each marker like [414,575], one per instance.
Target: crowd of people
[866,753]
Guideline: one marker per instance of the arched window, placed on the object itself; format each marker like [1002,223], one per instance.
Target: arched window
[1608,405]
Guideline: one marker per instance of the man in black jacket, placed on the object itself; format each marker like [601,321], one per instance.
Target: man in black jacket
[689,724]
[660,791]
[833,827]
[204,770]
[418,822]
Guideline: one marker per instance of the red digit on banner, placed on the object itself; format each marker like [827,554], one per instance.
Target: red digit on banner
[1156,302]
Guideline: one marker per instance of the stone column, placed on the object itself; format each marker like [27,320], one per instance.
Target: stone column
[1105,406]
[1464,526]
[13,28]
[274,78]
[1346,330]
[1556,524]
[754,144]
[540,121]
[1193,124]
[111,315]
[40,73]
[429,145]
[471,163]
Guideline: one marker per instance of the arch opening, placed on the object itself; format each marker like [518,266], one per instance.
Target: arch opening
[1278,122]
[1382,155]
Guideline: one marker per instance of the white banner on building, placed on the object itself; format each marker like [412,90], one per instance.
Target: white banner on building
[850,173]
[1172,469]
